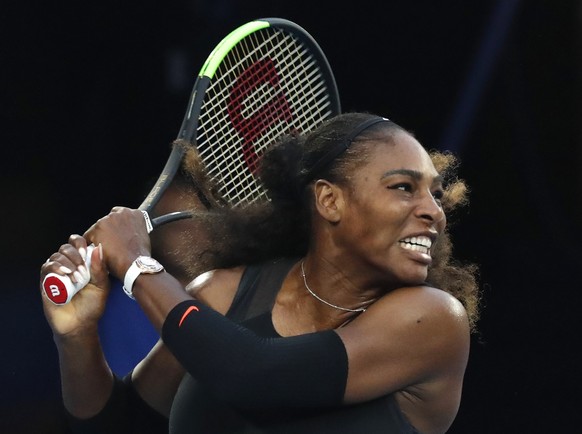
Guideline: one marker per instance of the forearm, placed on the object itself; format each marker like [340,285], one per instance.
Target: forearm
[249,371]
[96,400]
[157,377]
[157,295]
[86,378]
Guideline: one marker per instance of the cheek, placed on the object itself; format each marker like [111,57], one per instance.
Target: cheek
[382,224]
[442,224]
[373,217]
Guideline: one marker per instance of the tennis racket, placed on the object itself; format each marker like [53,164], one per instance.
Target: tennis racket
[267,78]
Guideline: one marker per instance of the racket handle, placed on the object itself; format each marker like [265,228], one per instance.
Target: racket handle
[61,289]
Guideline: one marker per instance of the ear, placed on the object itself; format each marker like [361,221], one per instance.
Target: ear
[329,200]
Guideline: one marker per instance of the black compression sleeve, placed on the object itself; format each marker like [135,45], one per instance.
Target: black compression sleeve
[111,419]
[143,418]
[125,412]
[249,371]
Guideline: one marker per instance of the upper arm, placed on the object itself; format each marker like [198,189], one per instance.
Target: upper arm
[409,337]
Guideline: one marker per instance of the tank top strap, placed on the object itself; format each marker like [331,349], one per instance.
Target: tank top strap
[258,288]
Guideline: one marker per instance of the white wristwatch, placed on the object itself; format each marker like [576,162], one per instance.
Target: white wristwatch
[142,265]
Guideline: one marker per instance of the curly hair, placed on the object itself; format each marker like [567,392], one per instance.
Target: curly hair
[446,272]
[280,226]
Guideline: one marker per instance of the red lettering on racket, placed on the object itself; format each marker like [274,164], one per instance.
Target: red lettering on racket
[275,110]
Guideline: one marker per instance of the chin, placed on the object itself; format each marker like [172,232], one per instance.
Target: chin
[415,279]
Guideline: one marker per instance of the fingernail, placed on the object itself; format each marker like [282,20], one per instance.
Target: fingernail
[65,270]
[77,276]
[83,253]
[100,252]
[84,272]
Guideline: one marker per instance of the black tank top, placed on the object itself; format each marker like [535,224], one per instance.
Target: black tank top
[195,410]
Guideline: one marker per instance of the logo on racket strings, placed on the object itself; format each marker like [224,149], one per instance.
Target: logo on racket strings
[276,109]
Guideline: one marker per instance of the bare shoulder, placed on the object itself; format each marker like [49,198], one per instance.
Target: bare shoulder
[411,336]
[415,309]
[426,349]
[216,288]
[431,319]
[420,303]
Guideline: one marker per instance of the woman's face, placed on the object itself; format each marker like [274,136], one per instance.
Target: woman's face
[392,211]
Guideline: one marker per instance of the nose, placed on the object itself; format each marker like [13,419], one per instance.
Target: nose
[430,208]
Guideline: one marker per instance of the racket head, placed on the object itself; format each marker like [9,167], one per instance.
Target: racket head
[267,78]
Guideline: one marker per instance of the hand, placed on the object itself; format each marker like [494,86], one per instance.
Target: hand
[123,235]
[86,307]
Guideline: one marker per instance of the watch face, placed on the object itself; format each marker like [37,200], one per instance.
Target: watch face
[148,265]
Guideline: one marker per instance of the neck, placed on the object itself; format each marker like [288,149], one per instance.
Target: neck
[344,298]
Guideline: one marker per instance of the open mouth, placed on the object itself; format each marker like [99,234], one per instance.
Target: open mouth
[418,244]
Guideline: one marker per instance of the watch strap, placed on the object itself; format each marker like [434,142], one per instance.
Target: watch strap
[130,275]
[142,265]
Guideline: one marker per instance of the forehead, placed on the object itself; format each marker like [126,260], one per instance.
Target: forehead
[402,151]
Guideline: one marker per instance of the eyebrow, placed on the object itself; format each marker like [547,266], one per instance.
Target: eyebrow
[415,174]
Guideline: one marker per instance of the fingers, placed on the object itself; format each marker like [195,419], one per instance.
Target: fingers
[120,218]
[80,244]
[69,260]
[122,228]
[99,273]
[123,233]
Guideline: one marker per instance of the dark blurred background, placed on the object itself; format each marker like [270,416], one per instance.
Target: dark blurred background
[93,93]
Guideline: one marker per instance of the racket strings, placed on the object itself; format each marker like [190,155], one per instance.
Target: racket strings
[293,89]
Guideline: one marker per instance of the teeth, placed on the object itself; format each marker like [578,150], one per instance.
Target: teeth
[422,241]
[417,244]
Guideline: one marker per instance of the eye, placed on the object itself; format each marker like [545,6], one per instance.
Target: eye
[402,186]
[438,195]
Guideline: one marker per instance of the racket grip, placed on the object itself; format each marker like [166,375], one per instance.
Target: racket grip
[61,289]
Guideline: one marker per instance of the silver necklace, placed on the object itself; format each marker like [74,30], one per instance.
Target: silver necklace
[361,309]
